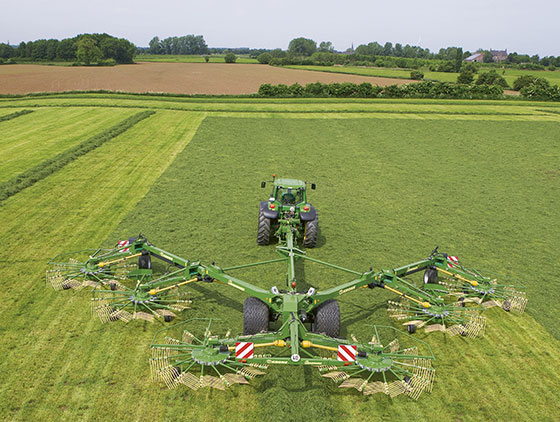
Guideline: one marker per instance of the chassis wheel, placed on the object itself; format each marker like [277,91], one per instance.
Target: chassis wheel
[255,316]
[311,231]
[145,262]
[327,318]
[430,276]
[263,233]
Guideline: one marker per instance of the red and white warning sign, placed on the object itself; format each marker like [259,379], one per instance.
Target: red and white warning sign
[244,350]
[123,243]
[347,353]
[452,261]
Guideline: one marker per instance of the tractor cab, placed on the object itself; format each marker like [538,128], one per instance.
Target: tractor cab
[288,192]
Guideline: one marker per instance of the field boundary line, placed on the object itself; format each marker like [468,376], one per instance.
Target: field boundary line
[51,165]
[14,115]
[319,111]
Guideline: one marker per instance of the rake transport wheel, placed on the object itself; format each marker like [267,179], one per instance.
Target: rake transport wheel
[327,319]
[263,233]
[255,316]
[145,262]
[311,232]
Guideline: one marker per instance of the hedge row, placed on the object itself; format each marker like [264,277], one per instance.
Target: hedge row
[14,115]
[426,89]
[51,165]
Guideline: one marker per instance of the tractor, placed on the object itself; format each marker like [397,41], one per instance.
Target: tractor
[287,204]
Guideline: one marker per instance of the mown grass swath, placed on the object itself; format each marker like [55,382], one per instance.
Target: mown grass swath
[14,115]
[49,166]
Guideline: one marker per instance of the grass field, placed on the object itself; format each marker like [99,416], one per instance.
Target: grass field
[510,75]
[395,179]
[188,58]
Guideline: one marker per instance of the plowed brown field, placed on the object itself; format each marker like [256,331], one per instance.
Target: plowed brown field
[183,78]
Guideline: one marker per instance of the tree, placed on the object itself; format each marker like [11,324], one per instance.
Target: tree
[155,46]
[398,50]
[230,58]
[6,51]
[487,57]
[88,51]
[388,49]
[458,59]
[527,80]
[302,47]
[206,59]
[66,49]
[264,58]
[326,47]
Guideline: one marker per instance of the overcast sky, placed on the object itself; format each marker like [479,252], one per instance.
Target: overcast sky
[530,27]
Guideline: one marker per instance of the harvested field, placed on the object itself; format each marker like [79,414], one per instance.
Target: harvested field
[180,78]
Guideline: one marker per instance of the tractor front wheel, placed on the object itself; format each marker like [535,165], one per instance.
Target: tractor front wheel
[311,232]
[263,233]
[327,318]
[255,316]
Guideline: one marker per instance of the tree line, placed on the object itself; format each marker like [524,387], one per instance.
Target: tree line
[188,44]
[85,48]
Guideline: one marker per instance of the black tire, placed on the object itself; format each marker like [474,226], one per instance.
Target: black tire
[506,305]
[113,286]
[327,319]
[311,232]
[411,328]
[430,276]
[263,233]
[255,316]
[145,262]
[168,318]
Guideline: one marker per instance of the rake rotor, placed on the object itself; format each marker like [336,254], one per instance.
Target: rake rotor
[387,368]
[199,361]
[125,304]
[450,318]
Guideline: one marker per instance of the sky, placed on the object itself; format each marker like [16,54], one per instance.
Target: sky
[528,27]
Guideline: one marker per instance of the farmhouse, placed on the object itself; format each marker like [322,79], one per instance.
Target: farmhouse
[497,56]
[476,57]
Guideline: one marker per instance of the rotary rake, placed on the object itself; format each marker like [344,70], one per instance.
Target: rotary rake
[126,288]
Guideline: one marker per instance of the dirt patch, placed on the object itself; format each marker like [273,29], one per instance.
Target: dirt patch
[182,78]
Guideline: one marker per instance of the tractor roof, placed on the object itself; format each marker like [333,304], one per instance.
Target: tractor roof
[289,183]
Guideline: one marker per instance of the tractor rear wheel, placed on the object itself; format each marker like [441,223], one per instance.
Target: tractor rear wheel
[327,318]
[430,276]
[263,233]
[311,231]
[255,316]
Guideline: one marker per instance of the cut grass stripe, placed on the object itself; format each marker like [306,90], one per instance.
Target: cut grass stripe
[47,167]
[14,115]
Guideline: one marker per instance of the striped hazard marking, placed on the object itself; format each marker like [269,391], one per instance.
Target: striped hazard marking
[452,261]
[347,353]
[244,350]
[123,243]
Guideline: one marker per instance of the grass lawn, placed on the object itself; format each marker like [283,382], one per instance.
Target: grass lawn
[390,187]
[510,75]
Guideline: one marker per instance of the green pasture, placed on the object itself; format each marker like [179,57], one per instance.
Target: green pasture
[394,179]
[510,75]
[190,58]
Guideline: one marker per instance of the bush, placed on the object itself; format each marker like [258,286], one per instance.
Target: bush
[491,78]
[230,58]
[540,89]
[206,59]
[264,58]
[417,75]
[552,68]
[526,80]
[107,62]
[465,77]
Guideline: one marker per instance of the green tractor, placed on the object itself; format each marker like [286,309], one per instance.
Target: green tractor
[288,205]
